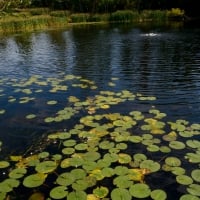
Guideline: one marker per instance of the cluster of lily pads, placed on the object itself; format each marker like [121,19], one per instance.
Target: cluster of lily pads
[106,155]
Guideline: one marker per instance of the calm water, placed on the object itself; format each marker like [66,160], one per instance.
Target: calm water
[161,62]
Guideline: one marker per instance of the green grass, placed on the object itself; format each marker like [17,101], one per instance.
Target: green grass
[43,18]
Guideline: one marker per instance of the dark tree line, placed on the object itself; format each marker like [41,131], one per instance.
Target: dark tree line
[191,7]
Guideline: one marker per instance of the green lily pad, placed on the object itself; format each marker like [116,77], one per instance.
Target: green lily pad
[81,147]
[2,111]
[120,194]
[80,185]
[193,157]
[139,157]
[158,194]
[196,175]
[177,145]
[77,195]
[4,164]
[34,180]
[124,158]
[46,167]
[59,192]
[173,161]
[106,145]
[78,173]
[69,143]
[43,155]
[122,181]
[178,170]
[140,190]
[165,149]
[189,197]
[68,151]
[193,143]
[121,170]
[52,102]
[153,148]
[184,180]
[65,179]
[17,173]
[91,156]
[194,189]
[150,164]
[108,172]
[8,184]
[101,191]
[30,116]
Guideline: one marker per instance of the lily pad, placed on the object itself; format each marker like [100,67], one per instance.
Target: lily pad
[184,180]
[4,164]
[59,192]
[173,161]
[122,181]
[120,194]
[177,145]
[150,164]
[101,191]
[77,195]
[158,194]
[193,143]
[189,197]
[196,175]
[34,180]
[17,173]
[140,190]
[65,179]
[194,189]
[124,158]
[46,167]
[30,116]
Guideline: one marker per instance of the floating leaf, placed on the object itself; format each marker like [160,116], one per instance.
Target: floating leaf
[193,157]
[17,173]
[150,164]
[193,143]
[178,170]
[140,190]
[52,102]
[65,179]
[158,194]
[122,181]
[101,191]
[46,167]
[177,145]
[124,158]
[121,170]
[30,116]
[92,197]
[189,197]
[77,195]
[43,155]
[184,180]
[58,192]
[139,157]
[120,194]
[34,180]
[4,164]
[194,189]
[196,175]
[173,161]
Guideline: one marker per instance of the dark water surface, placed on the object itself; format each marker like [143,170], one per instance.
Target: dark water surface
[156,61]
[145,61]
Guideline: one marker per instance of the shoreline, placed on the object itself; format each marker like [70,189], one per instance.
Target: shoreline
[25,21]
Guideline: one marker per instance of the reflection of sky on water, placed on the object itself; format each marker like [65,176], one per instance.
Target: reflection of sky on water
[154,62]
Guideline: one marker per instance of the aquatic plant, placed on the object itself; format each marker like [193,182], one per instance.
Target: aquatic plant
[104,154]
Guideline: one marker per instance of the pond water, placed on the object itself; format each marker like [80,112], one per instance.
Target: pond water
[40,71]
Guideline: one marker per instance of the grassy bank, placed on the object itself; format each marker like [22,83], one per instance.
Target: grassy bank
[39,19]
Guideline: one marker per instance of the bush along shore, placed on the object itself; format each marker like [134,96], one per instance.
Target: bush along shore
[24,20]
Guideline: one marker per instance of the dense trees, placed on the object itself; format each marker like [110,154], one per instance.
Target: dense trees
[93,6]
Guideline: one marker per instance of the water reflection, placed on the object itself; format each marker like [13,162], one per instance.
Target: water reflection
[153,61]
